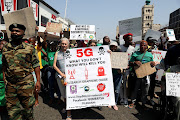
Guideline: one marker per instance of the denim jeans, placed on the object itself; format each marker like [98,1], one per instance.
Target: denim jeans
[53,83]
[117,79]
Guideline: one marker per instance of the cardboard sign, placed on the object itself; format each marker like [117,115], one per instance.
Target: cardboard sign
[119,60]
[82,32]
[25,17]
[53,27]
[158,55]
[89,78]
[173,84]
[144,70]
[8,6]
[170,34]
[152,33]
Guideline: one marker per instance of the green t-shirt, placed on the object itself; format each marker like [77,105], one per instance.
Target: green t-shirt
[42,59]
[2,86]
[1,74]
[137,56]
[51,58]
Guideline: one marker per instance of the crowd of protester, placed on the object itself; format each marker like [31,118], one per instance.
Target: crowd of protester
[26,61]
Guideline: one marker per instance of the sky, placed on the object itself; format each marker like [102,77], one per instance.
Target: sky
[105,14]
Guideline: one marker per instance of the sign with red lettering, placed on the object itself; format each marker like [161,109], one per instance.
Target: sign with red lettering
[8,6]
[158,55]
[89,69]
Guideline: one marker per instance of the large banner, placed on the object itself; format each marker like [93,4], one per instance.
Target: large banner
[89,78]
[173,84]
[8,6]
[82,32]
[34,5]
[133,26]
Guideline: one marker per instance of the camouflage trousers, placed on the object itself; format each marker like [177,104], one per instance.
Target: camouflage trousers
[20,94]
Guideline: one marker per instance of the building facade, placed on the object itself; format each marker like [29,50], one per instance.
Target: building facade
[147,17]
[174,22]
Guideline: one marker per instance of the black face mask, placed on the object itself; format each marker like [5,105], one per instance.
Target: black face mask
[16,37]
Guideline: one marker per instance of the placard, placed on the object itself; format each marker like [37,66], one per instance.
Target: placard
[8,6]
[82,32]
[119,60]
[170,34]
[25,17]
[144,70]
[158,55]
[152,33]
[89,78]
[53,27]
[173,84]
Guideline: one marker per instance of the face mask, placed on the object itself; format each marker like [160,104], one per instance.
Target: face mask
[16,37]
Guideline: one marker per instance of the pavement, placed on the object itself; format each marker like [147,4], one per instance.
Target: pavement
[53,112]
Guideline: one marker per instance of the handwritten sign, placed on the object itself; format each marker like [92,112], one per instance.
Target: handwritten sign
[82,32]
[173,84]
[25,17]
[144,70]
[89,77]
[53,27]
[119,60]
[158,55]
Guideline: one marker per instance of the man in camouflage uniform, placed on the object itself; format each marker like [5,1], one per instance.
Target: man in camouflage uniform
[19,59]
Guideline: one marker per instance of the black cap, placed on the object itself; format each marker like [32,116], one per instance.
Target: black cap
[15,25]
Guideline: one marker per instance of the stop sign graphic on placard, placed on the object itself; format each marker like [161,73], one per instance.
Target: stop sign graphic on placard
[101,87]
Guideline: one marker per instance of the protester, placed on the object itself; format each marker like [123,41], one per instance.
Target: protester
[92,43]
[18,61]
[3,111]
[129,49]
[53,87]
[106,40]
[59,66]
[117,76]
[137,59]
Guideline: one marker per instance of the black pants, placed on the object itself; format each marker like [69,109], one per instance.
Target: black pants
[44,76]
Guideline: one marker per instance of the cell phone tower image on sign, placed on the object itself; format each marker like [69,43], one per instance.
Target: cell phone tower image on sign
[71,73]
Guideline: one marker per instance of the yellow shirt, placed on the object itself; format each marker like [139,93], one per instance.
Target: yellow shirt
[39,56]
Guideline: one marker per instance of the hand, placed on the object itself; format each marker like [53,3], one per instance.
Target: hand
[63,75]
[45,33]
[109,51]
[153,64]
[138,63]
[37,28]
[38,86]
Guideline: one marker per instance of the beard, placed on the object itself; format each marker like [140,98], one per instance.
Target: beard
[16,37]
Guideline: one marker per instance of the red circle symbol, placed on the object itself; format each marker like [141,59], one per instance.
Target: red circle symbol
[101,87]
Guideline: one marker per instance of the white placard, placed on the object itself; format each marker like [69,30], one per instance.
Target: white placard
[170,34]
[158,55]
[173,84]
[82,32]
[8,6]
[89,78]
[159,74]
[34,5]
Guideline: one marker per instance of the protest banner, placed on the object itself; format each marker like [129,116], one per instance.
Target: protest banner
[25,17]
[133,26]
[34,5]
[170,34]
[152,33]
[173,84]
[53,27]
[82,32]
[89,78]
[144,70]
[158,55]
[119,60]
[8,6]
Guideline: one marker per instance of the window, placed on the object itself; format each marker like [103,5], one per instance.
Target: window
[44,21]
